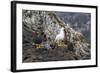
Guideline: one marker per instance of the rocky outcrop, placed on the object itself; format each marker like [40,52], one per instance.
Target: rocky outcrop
[75,45]
[80,22]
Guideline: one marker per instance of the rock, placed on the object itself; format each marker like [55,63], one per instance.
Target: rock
[48,25]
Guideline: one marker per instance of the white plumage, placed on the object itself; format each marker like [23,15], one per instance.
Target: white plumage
[60,36]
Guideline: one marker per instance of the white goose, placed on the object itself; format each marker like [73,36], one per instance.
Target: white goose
[60,36]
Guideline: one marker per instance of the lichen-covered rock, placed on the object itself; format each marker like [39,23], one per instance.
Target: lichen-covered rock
[47,25]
